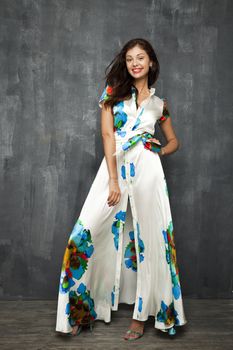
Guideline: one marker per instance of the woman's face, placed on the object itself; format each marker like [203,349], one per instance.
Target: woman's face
[137,62]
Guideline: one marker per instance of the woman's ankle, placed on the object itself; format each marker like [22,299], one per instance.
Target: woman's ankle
[137,324]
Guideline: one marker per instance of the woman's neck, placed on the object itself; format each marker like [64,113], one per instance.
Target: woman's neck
[142,86]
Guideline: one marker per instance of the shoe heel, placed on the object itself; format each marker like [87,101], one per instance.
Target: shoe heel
[91,326]
[79,330]
[171,331]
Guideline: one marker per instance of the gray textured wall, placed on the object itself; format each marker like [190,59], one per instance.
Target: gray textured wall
[52,60]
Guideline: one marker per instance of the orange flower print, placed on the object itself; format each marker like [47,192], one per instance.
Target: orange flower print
[109,90]
[165,113]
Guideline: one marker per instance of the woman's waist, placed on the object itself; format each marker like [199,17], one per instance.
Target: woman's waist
[122,137]
[127,141]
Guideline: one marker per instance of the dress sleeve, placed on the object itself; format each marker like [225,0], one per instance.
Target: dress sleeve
[165,113]
[105,95]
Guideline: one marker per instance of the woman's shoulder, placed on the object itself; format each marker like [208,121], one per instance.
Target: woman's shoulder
[160,105]
[158,100]
[163,107]
[106,93]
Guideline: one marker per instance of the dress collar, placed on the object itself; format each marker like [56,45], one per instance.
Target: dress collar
[152,90]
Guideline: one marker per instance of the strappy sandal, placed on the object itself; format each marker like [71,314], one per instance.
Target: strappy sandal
[171,331]
[131,331]
[78,328]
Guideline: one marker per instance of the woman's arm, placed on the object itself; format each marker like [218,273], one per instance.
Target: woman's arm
[173,143]
[109,144]
[108,139]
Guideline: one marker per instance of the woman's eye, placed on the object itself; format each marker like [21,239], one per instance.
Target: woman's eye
[129,59]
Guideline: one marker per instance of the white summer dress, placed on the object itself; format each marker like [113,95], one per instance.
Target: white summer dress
[125,253]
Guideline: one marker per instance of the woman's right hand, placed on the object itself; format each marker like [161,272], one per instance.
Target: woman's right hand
[114,192]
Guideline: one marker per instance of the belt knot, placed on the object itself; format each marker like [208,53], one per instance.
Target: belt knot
[147,139]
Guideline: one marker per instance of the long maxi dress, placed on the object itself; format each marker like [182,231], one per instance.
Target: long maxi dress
[125,253]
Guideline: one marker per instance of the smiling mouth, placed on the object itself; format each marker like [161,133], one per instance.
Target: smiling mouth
[136,70]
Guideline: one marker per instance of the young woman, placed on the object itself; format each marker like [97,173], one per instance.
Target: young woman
[122,248]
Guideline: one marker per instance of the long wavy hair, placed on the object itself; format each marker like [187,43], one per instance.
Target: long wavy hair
[118,78]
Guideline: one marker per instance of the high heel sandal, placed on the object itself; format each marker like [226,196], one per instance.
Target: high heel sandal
[170,331]
[131,331]
[136,331]
[77,331]
[80,327]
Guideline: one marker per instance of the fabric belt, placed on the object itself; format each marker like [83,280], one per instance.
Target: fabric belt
[147,139]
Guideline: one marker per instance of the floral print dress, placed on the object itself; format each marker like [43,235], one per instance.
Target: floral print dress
[125,253]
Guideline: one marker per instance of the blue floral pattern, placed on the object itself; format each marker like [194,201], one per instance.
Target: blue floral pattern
[167,314]
[132,169]
[140,304]
[77,254]
[168,235]
[123,172]
[138,120]
[130,251]
[80,309]
[120,118]
[118,224]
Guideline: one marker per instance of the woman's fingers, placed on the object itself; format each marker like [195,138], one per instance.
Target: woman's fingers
[113,198]
[117,199]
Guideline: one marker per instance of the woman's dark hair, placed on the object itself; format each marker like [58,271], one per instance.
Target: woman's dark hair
[119,79]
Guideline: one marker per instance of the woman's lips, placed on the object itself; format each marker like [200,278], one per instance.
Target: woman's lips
[137,70]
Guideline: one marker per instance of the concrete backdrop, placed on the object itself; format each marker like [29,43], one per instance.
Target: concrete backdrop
[52,60]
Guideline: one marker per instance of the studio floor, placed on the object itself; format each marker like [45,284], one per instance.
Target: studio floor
[31,325]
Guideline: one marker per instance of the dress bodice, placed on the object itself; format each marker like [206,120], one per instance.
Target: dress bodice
[129,120]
